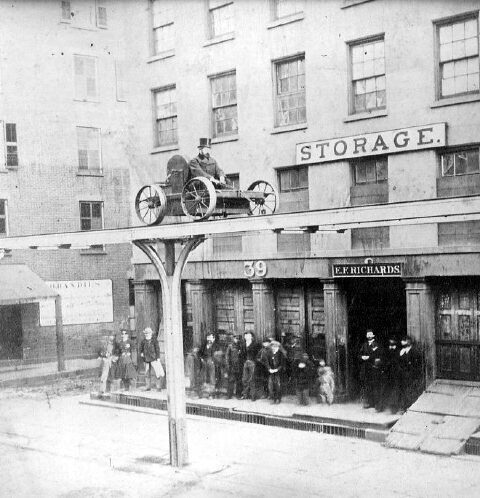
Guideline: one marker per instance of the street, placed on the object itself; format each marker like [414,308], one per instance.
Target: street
[54,445]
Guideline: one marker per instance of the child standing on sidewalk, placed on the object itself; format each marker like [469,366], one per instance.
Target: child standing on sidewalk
[325,384]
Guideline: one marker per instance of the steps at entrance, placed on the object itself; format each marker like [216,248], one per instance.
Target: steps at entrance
[441,421]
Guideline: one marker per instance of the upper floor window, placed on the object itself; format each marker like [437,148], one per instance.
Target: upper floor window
[3,217]
[458,57]
[220,13]
[85,77]
[367,171]
[293,187]
[460,162]
[290,92]
[91,215]
[101,13]
[368,76]
[370,238]
[163,27]
[89,149]
[165,116]
[11,143]
[284,8]
[224,104]
[66,11]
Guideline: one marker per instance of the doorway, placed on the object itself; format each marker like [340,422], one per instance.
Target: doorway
[377,304]
[11,334]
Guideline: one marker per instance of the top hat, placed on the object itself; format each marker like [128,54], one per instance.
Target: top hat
[370,334]
[205,142]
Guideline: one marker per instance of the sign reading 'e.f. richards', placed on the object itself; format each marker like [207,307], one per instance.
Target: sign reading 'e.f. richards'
[370,144]
[368,270]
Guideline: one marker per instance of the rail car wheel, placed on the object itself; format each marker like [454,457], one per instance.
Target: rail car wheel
[151,204]
[266,204]
[199,198]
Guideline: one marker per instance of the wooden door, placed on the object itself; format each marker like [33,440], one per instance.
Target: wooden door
[290,316]
[315,327]
[234,308]
[457,333]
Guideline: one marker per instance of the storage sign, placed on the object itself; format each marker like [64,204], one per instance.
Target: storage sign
[371,144]
[368,270]
[83,301]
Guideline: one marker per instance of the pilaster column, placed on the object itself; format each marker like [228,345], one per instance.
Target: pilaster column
[202,309]
[263,308]
[336,320]
[421,322]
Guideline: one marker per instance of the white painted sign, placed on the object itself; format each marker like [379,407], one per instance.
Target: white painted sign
[83,301]
[372,144]
[254,269]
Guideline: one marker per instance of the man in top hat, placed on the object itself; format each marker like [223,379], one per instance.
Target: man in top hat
[205,165]
[371,369]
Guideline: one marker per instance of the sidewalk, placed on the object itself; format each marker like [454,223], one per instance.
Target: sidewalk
[38,373]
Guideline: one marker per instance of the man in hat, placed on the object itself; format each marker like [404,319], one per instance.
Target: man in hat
[150,353]
[370,370]
[204,165]
[410,367]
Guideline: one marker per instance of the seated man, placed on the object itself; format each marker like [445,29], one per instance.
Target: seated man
[205,165]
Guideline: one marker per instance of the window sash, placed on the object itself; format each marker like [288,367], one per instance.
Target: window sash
[88,148]
[221,18]
[163,38]
[459,163]
[66,11]
[371,171]
[224,105]
[293,179]
[91,216]
[11,144]
[166,116]
[101,14]
[85,77]
[290,92]
[284,8]
[3,217]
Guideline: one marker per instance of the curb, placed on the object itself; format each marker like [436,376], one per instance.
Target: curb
[47,378]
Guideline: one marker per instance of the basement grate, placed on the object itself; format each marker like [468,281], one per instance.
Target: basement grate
[251,418]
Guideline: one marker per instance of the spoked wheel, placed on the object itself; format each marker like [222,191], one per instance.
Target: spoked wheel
[266,204]
[151,204]
[199,198]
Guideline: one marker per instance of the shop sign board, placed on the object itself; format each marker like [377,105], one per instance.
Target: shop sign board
[368,270]
[83,301]
[371,144]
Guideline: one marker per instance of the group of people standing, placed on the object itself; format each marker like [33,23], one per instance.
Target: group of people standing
[250,369]
[390,376]
[118,363]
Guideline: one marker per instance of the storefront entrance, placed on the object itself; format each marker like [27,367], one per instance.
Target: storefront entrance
[10,333]
[377,304]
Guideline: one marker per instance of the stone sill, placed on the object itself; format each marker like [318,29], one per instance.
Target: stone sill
[227,138]
[285,129]
[352,3]
[90,173]
[164,148]
[161,56]
[366,115]
[298,16]
[463,99]
[220,39]
[92,252]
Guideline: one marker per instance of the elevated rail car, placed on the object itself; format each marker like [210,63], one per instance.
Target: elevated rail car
[198,198]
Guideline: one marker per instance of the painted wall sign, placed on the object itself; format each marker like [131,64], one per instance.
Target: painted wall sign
[371,144]
[368,270]
[83,301]
[254,269]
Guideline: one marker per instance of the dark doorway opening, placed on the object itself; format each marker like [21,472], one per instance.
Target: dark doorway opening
[377,304]
[11,334]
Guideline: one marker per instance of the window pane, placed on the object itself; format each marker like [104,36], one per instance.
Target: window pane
[448,165]
[360,173]
[85,210]
[2,208]
[382,170]
[3,226]
[472,161]
[11,132]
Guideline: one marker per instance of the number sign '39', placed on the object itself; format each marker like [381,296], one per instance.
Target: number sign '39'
[254,269]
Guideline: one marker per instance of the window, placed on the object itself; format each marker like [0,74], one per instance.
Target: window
[162,24]
[224,104]
[370,171]
[3,217]
[368,76]
[66,11]
[290,92]
[293,186]
[370,238]
[101,14]
[462,162]
[458,57]
[120,70]
[220,13]
[11,142]
[166,116]
[284,8]
[88,148]
[459,233]
[91,217]
[293,243]
[85,77]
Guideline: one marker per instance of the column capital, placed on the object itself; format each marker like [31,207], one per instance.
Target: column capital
[416,284]
[330,284]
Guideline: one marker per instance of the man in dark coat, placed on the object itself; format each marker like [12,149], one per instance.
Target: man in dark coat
[205,166]
[304,374]
[410,366]
[234,367]
[275,365]
[249,355]
[371,370]
[207,353]
[150,354]
[391,390]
